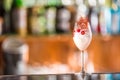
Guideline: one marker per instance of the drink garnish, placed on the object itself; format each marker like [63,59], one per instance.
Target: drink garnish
[82,23]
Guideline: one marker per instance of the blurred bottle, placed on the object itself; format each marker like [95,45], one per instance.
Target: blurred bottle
[37,20]
[19,18]
[102,21]
[108,16]
[71,6]
[51,15]
[63,20]
[7,20]
[105,21]
[115,12]
[51,19]
[94,20]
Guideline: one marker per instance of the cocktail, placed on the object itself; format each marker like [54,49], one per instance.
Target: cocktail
[82,37]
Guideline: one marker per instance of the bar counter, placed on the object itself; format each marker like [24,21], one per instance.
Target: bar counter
[103,52]
[72,76]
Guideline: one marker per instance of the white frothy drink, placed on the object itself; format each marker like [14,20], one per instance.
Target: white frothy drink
[82,41]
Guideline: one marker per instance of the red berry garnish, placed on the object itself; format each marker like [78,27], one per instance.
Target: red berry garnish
[82,32]
[82,23]
[78,30]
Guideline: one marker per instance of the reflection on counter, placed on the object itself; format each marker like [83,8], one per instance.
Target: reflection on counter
[95,76]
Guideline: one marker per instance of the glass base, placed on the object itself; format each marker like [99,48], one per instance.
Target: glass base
[82,76]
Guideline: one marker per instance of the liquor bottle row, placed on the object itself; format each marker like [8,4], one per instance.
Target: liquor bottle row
[106,21]
[104,18]
[35,20]
[58,16]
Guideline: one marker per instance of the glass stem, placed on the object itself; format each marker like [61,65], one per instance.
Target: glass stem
[82,62]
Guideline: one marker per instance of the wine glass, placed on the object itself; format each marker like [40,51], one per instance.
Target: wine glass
[82,37]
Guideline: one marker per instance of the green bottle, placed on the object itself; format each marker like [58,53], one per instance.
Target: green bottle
[19,17]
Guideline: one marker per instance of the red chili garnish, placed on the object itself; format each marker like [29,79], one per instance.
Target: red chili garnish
[82,23]
[82,32]
[78,30]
